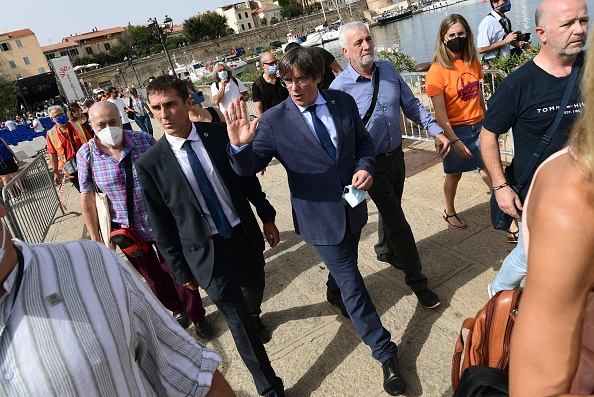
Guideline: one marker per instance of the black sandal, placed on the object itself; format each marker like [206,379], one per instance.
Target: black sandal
[446,217]
[513,239]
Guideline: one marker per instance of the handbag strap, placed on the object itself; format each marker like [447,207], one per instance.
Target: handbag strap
[129,188]
[72,141]
[91,166]
[547,137]
[374,99]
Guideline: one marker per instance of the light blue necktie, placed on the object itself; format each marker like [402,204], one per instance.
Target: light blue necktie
[212,202]
[322,132]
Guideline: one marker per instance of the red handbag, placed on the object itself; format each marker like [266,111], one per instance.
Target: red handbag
[129,242]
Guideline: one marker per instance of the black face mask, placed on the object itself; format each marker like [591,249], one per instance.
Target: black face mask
[457,44]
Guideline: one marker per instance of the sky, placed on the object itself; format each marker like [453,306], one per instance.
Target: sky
[52,20]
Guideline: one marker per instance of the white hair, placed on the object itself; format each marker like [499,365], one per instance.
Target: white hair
[348,28]
[54,107]
[215,69]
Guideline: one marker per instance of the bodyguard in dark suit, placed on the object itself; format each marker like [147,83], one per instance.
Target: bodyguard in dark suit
[204,226]
[320,140]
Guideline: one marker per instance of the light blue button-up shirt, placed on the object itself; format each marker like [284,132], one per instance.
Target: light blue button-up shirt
[394,94]
[323,114]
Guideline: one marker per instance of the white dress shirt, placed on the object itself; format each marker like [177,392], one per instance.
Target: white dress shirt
[323,114]
[182,159]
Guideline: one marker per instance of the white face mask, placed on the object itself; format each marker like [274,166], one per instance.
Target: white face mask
[111,136]
[2,252]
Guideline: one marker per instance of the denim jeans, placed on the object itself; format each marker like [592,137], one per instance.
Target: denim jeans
[144,122]
[514,267]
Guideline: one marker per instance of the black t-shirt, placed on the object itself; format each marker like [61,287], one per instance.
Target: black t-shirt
[527,101]
[328,73]
[269,94]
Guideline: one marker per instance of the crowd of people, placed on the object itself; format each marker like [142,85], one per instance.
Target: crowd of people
[182,210]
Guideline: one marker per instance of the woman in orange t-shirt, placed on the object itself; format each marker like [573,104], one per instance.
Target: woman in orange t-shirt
[453,84]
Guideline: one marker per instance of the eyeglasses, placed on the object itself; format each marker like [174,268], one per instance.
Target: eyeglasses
[57,115]
[275,62]
[454,35]
[301,82]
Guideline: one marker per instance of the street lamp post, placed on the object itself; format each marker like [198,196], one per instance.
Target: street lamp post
[121,72]
[160,33]
[130,62]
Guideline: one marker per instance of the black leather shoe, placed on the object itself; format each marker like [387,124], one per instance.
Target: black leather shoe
[390,260]
[182,319]
[263,332]
[428,299]
[394,384]
[203,329]
[336,300]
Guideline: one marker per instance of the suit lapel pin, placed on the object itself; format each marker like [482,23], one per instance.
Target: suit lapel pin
[206,134]
[333,102]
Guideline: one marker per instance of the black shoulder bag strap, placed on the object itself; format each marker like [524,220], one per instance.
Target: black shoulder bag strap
[129,188]
[374,99]
[72,142]
[213,114]
[546,139]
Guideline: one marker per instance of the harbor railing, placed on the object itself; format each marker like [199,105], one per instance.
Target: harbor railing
[410,129]
[31,202]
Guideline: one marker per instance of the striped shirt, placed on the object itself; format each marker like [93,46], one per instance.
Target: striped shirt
[110,177]
[84,324]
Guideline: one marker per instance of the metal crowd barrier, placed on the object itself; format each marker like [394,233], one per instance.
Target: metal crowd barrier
[31,202]
[416,81]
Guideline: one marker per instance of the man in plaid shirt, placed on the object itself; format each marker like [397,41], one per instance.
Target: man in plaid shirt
[106,170]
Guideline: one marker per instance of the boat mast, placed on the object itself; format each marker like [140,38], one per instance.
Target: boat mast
[323,12]
[338,11]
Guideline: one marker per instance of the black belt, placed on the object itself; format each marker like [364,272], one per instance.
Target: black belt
[388,154]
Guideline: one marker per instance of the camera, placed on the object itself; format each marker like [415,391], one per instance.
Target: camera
[523,36]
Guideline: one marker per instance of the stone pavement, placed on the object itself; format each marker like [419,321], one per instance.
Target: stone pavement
[313,348]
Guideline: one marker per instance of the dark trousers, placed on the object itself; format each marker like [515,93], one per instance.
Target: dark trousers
[395,238]
[345,277]
[127,127]
[174,297]
[74,181]
[238,265]
[144,122]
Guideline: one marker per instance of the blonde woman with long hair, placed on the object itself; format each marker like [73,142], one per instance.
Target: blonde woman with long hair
[453,83]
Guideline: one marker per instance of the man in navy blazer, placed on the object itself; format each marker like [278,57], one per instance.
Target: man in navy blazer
[320,140]
[197,248]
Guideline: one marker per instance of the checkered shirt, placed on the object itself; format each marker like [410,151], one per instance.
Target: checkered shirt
[110,177]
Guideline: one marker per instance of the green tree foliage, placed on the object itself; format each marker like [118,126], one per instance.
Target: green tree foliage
[264,21]
[193,29]
[140,38]
[215,25]
[273,20]
[8,96]
[291,8]
[206,26]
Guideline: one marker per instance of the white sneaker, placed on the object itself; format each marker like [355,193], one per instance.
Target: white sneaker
[490,291]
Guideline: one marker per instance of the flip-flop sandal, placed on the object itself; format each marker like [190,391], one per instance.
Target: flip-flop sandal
[513,239]
[446,217]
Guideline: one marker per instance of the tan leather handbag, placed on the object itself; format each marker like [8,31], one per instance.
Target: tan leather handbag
[489,333]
